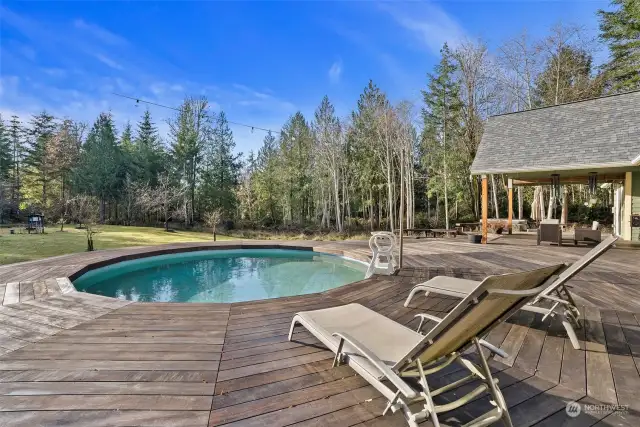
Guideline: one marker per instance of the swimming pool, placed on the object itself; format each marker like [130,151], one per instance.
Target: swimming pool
[222,276]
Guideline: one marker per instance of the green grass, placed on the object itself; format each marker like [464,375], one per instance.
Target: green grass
[27,247]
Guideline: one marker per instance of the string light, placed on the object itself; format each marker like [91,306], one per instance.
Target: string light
[139,100]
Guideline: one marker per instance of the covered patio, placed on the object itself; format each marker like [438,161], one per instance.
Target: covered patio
[588,142]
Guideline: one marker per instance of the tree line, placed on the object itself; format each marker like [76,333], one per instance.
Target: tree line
[325,171]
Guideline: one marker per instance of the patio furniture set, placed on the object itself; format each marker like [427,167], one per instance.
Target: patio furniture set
[550,230]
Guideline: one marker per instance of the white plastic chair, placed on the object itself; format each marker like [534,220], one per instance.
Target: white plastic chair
[383,245]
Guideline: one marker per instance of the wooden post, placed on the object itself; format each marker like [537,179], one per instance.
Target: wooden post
[485,209]
[510,194]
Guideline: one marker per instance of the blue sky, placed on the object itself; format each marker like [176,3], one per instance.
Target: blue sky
[258,61]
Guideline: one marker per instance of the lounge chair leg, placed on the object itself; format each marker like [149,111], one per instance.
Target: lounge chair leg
[294,322]
[427,395]
[495,391]
[572,334]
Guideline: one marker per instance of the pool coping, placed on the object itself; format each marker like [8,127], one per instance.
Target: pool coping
[67,286]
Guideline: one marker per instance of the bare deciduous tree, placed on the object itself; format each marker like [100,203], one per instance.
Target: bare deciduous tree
[212,219]
[84,209]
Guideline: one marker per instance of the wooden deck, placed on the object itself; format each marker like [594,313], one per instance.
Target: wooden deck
[76,359]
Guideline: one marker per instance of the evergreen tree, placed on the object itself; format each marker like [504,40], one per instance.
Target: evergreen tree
[16,136]
[296,142]
[567,78]
[246,189]
[441,124]
[222,168]
[329,159]
[126,139]
[368,176]
[64,151]
[38,160]
[6,156]
[267,180]
[100,172]
[188,131]
[149,155]
[620,29]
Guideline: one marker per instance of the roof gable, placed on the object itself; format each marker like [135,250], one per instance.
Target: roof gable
[597,133]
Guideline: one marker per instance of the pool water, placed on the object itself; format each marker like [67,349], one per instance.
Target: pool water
[222,276]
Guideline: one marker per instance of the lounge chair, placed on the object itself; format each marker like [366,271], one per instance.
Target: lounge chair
[556,296]
[397,360]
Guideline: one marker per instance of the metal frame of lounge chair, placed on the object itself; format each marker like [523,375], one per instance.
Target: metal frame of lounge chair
[557,294]
[403,354]
[382,244]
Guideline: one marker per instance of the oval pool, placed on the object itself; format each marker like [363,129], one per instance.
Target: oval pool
[222,276]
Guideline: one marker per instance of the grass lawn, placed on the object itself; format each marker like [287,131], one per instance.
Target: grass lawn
[26,247]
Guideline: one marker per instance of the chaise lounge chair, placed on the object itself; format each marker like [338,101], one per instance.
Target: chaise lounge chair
[556,296]
[397,360]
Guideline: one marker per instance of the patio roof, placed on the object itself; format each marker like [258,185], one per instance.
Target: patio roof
[600,133]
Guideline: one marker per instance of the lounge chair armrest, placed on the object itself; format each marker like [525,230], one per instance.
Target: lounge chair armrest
[384,369]
[429,317]
[493,349]
[425,316]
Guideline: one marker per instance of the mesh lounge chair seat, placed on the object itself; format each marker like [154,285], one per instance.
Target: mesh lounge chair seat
[554,298]
[387,354]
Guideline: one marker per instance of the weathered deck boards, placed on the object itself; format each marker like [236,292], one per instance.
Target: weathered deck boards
[77,359]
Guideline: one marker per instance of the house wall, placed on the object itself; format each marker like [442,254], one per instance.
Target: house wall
[626,207]
[635,203]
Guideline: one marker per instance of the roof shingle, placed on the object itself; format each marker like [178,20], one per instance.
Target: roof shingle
[597,133]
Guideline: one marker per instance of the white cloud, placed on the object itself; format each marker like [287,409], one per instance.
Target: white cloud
[54,72]
[428,23]
[246,96]
[108,61]
[100,33]
[162,88]
[335,72]
[251,91]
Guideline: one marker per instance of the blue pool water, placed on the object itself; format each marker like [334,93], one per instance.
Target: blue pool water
[222,276]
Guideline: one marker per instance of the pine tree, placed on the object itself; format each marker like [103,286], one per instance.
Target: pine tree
[567,78]
[16,136]
[187,133]
[441,123]
[149,154]
[330,157]
[222,168]
[295,148]
[38,160]
[368,178]
[246,188]
[64,152]
[620,29]
[100,172]
[6,156]
[267,179]
[126,139]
